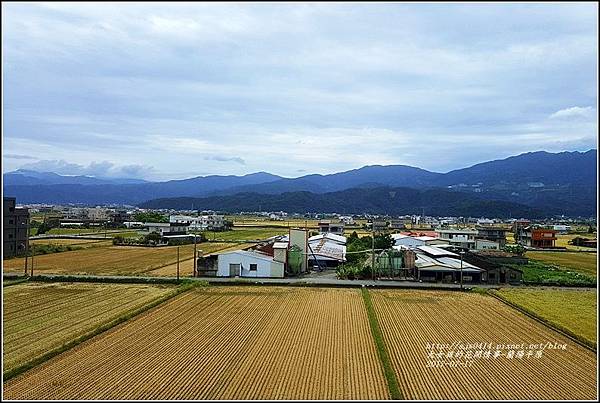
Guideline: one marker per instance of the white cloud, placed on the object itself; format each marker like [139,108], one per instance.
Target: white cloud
[575,112]
[98,169]
[237,88]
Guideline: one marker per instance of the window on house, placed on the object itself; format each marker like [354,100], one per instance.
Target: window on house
[253,267]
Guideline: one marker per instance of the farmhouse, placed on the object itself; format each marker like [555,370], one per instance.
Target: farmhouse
[167,228]
[248,264]
[440,265]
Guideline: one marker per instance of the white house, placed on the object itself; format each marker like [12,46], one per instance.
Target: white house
[241,263]
[485,244]
[347,220]
[165,228]
[133,224]
[200,223]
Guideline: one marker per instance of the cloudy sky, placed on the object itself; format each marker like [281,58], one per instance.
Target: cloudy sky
[165,91]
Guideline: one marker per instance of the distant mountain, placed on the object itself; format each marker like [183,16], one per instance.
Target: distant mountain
[374,175]
[380,200]
[565,168]
[100,193]
[29,177]
[563,182]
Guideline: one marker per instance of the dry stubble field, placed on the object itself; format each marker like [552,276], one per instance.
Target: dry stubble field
[38,317]
[410,319]
[112,260]
[223,343]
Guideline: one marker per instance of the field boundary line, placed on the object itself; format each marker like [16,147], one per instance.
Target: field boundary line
[554,326]
[384,358]
[186,286]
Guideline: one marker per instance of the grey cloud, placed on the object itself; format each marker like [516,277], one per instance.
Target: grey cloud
[237,160]
[19,157]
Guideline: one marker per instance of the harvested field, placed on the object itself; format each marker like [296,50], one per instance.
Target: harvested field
[223,343]
[76,242]
[186,267]
[39,317]
[411,319]
[572,309]
[113,260]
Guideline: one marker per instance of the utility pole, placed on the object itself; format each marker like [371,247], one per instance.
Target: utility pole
[178,263]
[27,245]
[461,269]
[373,250]
[32,255]
[195,261]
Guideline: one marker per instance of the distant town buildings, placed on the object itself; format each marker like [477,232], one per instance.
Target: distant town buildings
[209,222]
[327,227]
[463,238]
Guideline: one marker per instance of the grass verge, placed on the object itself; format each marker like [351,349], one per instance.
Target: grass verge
[184,286]
[553,325]
[384,357]
[7,283]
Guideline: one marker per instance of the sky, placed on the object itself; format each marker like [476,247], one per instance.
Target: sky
[170,91]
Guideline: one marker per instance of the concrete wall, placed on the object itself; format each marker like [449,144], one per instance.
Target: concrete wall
[264,267]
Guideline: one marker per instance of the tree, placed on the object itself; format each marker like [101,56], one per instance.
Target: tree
[150,216]
[384,241]
[516,249]
[153,237]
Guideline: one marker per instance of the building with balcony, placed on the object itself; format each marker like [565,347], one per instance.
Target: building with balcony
[15,225]
[462,238]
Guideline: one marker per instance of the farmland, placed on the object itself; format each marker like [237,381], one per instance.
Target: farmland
[563,240]
[571,309]
[186,268]
[39,317]
[411,319]
[223,343]
[581,262]
[113,260]
[78,242]
[250,234]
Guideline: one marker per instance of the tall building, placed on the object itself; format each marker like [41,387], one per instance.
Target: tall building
[15,221]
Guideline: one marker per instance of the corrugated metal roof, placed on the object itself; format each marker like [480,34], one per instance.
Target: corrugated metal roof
[333,237]
[436,252]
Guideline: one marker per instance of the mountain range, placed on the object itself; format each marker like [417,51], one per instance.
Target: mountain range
[549,183]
